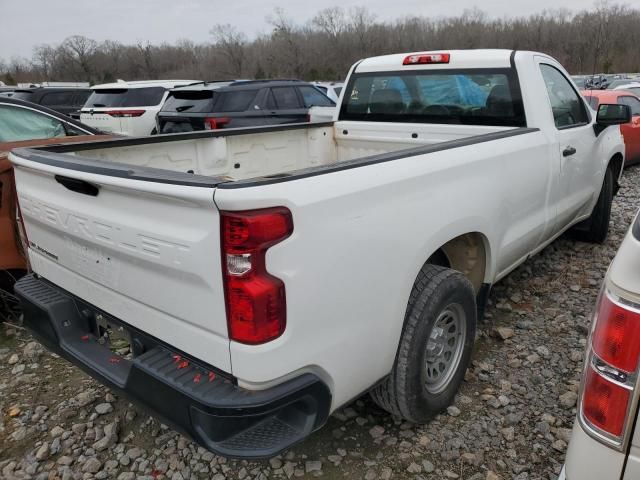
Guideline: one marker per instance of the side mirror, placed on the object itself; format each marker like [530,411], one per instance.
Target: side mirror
[613,114]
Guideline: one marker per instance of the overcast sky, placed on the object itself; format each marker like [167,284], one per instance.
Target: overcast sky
[26,23]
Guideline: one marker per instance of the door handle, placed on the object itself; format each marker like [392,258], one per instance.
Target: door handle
[567,152]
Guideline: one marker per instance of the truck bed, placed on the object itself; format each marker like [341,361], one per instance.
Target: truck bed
[242,154]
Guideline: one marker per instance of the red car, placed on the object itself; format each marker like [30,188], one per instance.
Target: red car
[630,131]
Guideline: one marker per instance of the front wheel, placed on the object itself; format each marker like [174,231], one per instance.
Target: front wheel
[595,228]
[435,346]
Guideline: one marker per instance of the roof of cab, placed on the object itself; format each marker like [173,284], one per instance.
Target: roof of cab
[145,84]
[488,58]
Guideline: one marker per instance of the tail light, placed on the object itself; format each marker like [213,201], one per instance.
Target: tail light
[125,113]
[611,370]
[255,299]
[426,58]
[211,123]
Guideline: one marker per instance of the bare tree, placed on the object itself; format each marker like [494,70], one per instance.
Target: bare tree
[81,50]
[44,57]
[331,21]
[232,44]
[603,38]
[287,40]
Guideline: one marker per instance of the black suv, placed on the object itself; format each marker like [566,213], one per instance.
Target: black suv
[66,100]
[243,103]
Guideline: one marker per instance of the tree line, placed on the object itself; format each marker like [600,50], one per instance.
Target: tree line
[605,39]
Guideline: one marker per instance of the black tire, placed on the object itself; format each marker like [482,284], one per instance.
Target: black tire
[595,228]
[404,392]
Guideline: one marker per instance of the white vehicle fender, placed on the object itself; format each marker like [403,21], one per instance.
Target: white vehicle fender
[610,144]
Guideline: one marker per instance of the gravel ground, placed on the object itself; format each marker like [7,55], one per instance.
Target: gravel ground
[511,420]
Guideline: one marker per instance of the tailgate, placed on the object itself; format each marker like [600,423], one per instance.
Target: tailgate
[141,244]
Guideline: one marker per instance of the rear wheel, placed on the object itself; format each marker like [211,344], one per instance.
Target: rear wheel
[435,346]
[595,228]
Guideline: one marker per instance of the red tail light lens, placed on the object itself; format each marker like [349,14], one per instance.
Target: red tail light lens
[216,123]
[255,299]
[609,380]
[604,404]
[616,338]
[427,58]
[125,113]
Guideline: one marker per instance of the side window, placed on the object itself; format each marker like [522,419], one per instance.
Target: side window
[567,106]
[235,101]
[18,124]
[593,101]
[314,98]
[80,98]
[59,99]
[286,98]
[633,103]
[271,101]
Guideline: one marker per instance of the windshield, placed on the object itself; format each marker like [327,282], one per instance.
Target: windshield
[123,97]
[470,97]
[617,83]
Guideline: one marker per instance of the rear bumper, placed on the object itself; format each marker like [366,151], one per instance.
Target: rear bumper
[196,399]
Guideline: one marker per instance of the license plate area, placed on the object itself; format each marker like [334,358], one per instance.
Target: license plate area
[114,336]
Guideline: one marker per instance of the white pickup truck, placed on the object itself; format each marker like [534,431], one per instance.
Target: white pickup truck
[264,277]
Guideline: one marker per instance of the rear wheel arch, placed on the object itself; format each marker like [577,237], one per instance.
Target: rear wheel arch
[468,253]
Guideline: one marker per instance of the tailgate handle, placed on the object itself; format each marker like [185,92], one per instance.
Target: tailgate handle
[79,186]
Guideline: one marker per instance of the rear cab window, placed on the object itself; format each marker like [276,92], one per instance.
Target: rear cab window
[125,97]
[456,96]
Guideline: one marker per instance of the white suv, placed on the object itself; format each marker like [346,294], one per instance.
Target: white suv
[605,444]
[331,89]
[128,108]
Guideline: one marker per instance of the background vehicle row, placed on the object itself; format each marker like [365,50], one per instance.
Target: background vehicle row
[216,105]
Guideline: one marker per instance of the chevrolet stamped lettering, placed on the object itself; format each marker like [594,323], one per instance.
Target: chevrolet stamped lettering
[111,235]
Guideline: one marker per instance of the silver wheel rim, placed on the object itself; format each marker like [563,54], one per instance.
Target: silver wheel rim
[445,347]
